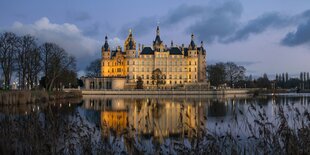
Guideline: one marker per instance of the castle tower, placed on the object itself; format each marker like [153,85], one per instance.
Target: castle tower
[105,50]
[158,44]
[192,48]
[106,55]
[130,46]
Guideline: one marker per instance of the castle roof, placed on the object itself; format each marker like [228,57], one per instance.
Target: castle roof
[175,51]
[185,51]
[115,51]
[147,51]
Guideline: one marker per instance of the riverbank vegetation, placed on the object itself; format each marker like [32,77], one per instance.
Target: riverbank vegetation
[29,97]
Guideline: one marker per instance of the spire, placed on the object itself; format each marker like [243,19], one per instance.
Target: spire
[130,32]
[106,44]
[192,44]
[157,40]
[130,43]
[157,31]
[171,43]
[201,44]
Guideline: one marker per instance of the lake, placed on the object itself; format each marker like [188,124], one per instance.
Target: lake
[159,125]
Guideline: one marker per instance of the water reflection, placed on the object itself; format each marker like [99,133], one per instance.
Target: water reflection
[155,117]
[180,117]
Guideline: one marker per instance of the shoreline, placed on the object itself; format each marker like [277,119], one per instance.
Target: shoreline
[19,97]
[170,92]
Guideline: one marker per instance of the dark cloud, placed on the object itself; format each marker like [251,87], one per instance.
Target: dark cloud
[140,27]
[217,22]
[259,25]
[220,19]
[180,13]
[79,16]
[221,22]
[299,37]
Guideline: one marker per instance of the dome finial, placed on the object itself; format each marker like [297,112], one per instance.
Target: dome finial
[192,36]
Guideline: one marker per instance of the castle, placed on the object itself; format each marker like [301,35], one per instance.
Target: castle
[178,65]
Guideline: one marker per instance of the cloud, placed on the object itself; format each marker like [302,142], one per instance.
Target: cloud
[180,13]
[259,25]
[66,35]
[218,22]
[207,22]
[92,30]
[299,37]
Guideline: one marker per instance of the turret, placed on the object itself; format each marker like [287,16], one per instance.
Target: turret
[192,48]
[106,49]
[130,45]
[192,45]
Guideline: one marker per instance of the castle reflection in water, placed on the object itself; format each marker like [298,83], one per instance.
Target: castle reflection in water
[150,116]
[176,116]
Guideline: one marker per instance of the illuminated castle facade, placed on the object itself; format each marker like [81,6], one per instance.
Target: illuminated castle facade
[178,64]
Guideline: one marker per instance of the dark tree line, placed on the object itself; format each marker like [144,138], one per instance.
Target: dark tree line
[231,75]
[23,57]
[228,73]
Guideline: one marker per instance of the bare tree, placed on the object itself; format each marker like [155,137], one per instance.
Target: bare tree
[234,73]
[28,65]
[54,60]
[8,47]
[94,68]
[33,67]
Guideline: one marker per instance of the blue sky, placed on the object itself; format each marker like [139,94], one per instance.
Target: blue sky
[265,36]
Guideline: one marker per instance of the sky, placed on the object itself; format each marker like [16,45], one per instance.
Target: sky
[262,35]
